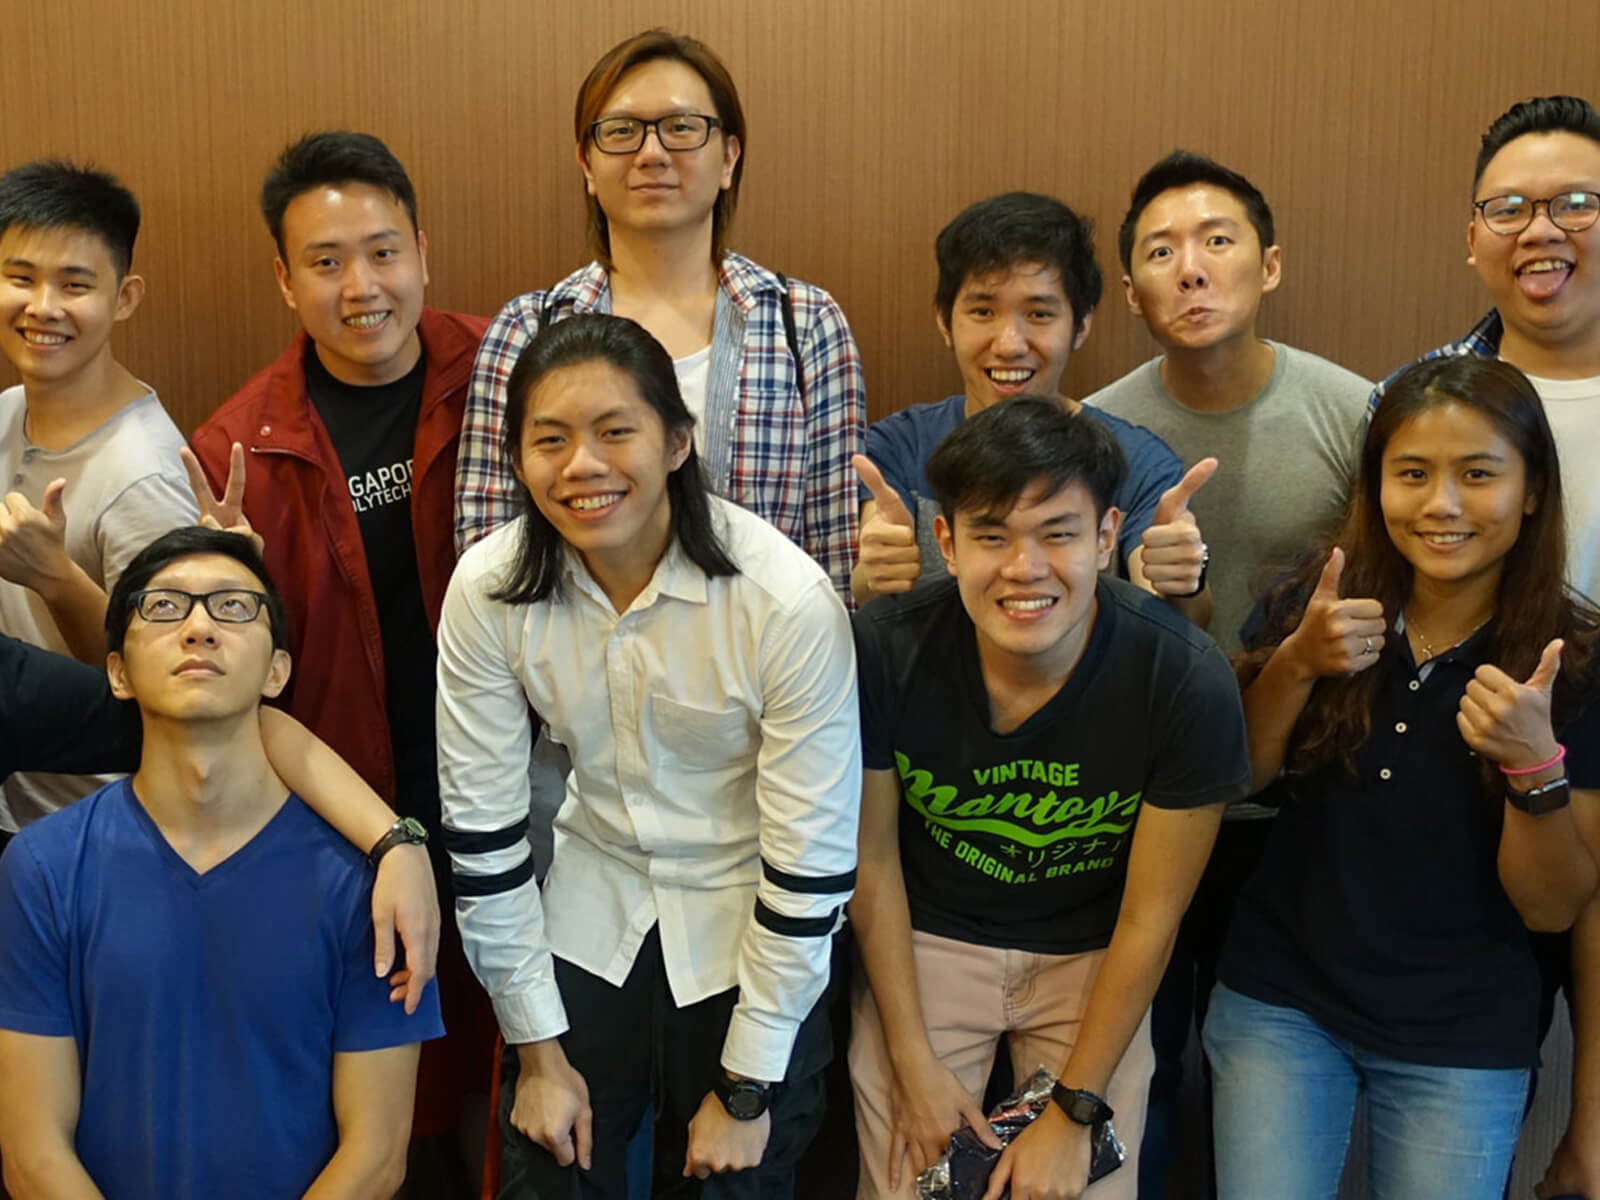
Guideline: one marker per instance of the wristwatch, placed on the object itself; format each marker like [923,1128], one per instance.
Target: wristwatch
[745,1099]
[1538,801]
[407,831]
[1081,1107]
[1205,562]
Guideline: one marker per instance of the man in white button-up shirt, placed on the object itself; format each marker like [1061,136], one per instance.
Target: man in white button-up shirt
[699,669]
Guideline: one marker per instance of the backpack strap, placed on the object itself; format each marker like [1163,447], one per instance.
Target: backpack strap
[790,335]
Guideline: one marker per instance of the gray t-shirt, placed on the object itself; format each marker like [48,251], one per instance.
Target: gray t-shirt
[125,487]
[1287,459]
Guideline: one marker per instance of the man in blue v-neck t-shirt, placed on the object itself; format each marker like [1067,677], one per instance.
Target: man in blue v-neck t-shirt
[187,1002]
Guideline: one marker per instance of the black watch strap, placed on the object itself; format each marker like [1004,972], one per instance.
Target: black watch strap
[1081,1107]
[407,831]
[744,1099]
[1539,801]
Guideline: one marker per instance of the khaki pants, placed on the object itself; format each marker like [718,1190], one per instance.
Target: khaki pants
[971,997]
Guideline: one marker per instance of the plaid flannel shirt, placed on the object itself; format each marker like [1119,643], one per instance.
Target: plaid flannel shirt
[1483,339]
[781,454]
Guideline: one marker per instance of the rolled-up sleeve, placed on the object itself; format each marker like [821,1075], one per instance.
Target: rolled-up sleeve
[485,735]
[808,793]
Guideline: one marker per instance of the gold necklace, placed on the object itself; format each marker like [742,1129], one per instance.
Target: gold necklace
[1428,652]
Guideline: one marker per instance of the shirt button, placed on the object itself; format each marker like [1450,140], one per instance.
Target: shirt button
[266,431]
[1399,726]
[1414,684]
[1385,773]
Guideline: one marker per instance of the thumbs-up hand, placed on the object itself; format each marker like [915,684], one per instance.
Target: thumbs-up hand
[1174,554]
[1508,721]
[890,561]
[1336,635]
[33,541]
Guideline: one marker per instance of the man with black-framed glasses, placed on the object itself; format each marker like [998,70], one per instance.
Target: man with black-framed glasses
[140,914]
[1533,235]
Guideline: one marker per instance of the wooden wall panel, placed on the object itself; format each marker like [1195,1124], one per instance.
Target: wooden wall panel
[872,123]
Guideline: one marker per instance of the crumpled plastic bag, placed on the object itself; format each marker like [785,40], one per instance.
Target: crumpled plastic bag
[962,1172]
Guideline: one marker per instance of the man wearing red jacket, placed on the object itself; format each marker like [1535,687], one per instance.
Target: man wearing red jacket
[350,438]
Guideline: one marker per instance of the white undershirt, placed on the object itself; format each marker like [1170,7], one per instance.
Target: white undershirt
[694,372]
[1573,408]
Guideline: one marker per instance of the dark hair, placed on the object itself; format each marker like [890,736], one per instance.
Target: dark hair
[602,79]
[991,458]
[1184,168]
[1337,718]
[1543,114]
[535,572]
[185,542]
[54,193]
[325,160]
[1019,227]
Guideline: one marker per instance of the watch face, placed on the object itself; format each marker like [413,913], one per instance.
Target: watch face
[747,1105]
[415,829]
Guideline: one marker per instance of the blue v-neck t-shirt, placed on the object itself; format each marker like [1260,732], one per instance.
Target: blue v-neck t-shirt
[207,1008]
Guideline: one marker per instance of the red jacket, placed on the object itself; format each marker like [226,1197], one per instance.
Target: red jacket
[297,498]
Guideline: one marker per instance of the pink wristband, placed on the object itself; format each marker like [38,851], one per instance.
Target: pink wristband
[1561,752]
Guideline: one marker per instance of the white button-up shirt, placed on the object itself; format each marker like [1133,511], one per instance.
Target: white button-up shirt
[715,785]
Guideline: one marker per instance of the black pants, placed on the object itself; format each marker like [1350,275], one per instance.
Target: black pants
[1180,1002]
[634,1046]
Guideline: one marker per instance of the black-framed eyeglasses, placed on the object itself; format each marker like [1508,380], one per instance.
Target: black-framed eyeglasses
[1508,214]
[679,131]
[231,606]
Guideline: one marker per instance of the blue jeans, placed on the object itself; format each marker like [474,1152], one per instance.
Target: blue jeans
[1284,1090]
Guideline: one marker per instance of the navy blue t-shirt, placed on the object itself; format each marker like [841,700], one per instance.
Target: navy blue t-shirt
[901,444]
[207,1009]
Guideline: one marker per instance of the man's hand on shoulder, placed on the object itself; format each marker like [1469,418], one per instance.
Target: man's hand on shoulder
[404,901]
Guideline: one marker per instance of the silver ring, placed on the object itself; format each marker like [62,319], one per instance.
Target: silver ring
[1368,649]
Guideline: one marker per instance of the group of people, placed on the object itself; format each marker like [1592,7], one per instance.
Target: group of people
[1019,795]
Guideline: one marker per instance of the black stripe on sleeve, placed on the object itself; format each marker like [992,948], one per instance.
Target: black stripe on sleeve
[795,926]
[809,885]
[470,841]
[490,885]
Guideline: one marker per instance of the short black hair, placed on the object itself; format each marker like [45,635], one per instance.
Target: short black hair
[535,571]
[1542,114]
[1185,168]
[54,193]
[991,458]
[185,542]
[1006,231]
[326,159]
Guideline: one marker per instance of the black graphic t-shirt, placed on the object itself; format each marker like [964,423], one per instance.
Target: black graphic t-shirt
[1020,840]
[374,430]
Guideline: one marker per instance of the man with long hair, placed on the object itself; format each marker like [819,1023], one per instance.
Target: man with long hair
[697,666]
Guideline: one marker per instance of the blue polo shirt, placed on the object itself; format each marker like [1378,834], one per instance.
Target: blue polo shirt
[207,1009]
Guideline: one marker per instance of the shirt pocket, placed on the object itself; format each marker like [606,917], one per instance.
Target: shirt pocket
[701,742]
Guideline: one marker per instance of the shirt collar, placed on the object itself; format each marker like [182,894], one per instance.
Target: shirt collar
[676,576]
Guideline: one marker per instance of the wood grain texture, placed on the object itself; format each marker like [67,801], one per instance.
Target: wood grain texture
[871,125]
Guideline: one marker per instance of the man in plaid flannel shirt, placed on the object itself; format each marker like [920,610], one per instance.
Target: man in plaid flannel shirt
[776,436]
